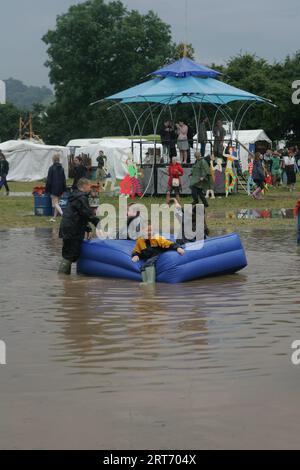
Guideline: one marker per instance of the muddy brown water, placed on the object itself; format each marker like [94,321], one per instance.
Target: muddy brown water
[95,363]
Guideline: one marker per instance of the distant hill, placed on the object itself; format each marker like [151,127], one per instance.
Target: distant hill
[24,97]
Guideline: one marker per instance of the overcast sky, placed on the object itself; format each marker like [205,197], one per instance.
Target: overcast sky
[218,29]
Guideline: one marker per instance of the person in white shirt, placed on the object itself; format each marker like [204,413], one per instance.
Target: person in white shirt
[289,164]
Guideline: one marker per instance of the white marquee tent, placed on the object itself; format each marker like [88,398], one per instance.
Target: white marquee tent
[30,161]
[117,151]
[248,138]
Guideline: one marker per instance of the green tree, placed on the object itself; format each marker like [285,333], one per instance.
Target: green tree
[97,49]
[9,122]
[271,81]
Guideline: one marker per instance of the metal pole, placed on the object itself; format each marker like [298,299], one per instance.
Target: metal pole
[186,30]
[155,169]
[20,127]
[30,127]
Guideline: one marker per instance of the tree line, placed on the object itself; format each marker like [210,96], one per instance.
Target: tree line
[99,48]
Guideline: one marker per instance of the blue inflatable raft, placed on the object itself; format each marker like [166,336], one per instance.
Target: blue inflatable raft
[214,257]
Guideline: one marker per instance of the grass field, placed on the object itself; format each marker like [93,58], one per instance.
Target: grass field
[17,212]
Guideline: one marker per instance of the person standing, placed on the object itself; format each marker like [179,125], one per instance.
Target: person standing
[182,141]
[250,182]
[56,185]
[80,171]
[289,164]
[275,169]
[74,226]
[202,135]
[175,171]
[4,169]
[297,156]
[101,174]
[190,136]
[168,138]
[200,180]
[219,136]
[258,175]
[267,160]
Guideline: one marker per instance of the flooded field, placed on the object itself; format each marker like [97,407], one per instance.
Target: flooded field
[95,363]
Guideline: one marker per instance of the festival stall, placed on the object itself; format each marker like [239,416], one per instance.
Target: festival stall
[30,161]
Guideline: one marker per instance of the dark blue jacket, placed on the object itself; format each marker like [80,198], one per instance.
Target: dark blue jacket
[77,216]
[80,171]
[56,180]
[258,173]
[4,168]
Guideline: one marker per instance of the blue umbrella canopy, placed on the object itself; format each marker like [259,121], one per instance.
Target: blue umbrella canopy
[184,81]
[185,68]
[190,89]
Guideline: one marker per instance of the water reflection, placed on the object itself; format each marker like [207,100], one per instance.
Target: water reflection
[252,214]
[113,327]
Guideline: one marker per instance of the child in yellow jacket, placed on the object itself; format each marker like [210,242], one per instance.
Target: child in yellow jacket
[149,248]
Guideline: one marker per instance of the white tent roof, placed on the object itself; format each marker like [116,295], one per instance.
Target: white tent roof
[83,142]
[245,136]
[19,145]
[30,161]
[251,136]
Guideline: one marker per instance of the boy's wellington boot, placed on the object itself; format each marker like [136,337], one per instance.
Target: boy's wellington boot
[65,267]
[151,275]
[144,277]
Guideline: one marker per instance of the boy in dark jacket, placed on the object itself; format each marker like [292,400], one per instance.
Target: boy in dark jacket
[74,226]
[4,169]
[56,184]
[149,248]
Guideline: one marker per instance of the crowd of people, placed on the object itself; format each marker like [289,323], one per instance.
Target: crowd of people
[181,137]
[273,168]
[265,170]
[81,167]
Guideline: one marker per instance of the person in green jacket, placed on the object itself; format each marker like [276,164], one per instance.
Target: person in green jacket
[200,180]
[276,169]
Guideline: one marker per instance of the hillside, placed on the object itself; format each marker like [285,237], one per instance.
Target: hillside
[24,97]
